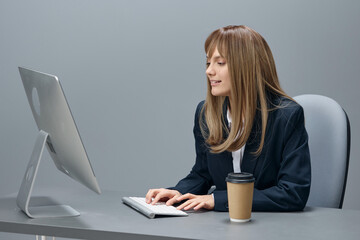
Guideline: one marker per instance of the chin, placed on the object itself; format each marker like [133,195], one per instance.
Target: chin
[219,94]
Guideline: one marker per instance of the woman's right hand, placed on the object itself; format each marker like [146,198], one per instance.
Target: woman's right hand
[161,194]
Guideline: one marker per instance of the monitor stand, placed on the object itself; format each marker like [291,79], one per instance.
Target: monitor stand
[23,197]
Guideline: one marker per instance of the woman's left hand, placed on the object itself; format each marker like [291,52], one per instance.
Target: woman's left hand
[196,202]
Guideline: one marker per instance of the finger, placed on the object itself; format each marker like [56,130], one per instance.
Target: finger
[201,205]
[192,205]
[159,196]
[172,200]
[156,198]
[182,206]
[150,194]
[185,196]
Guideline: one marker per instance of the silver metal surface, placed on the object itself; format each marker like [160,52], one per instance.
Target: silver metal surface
[52,115]
[24,195]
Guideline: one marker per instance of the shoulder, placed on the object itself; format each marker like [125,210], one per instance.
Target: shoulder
[285,108]
[199,122]
[286,114]
[199,108]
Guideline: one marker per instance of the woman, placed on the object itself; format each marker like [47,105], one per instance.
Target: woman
[247,123]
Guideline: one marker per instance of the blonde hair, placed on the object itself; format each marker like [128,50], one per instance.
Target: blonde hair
[253,73]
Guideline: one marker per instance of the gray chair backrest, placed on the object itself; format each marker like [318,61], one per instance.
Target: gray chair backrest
[328,128]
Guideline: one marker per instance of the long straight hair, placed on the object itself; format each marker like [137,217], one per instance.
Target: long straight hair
[252,73]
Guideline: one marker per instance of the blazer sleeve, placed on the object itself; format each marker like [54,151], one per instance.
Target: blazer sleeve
[294,176]
[198,181]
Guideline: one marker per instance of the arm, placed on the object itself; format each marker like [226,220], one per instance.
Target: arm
[294,176]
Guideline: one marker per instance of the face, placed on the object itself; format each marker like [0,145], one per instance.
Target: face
[218,74]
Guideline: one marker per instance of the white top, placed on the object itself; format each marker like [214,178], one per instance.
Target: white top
[238,154]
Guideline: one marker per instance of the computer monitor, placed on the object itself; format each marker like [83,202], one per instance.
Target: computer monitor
[58,131]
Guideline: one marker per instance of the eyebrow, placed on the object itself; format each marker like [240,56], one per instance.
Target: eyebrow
[216,57]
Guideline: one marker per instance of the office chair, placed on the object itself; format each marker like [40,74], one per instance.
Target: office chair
[328,128]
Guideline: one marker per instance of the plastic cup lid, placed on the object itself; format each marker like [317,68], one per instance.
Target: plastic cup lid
[242,177]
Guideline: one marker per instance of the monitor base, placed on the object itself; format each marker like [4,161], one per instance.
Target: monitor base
[24,195]
[52,211]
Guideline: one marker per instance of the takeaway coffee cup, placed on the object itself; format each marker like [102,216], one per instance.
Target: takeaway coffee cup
[240,188]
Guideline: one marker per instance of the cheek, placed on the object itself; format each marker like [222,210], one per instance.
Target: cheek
[226,74]
[228,83]
[227,79]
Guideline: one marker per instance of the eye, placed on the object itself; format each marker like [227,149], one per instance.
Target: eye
[221,63]
[207,64]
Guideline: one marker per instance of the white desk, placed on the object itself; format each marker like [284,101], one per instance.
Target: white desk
[106,217]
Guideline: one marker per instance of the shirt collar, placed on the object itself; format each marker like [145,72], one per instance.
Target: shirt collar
[228,116]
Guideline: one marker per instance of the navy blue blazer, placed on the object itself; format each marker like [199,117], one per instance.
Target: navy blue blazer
[282,171]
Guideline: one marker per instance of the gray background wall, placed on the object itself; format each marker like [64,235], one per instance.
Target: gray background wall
[133,73]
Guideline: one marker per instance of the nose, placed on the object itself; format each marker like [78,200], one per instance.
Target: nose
[210,71]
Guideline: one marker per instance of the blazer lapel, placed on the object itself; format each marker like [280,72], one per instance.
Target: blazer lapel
[250,160]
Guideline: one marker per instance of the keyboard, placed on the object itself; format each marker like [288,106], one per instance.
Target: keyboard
[160,208]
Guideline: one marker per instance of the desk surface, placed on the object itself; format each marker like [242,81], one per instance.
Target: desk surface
[106,217]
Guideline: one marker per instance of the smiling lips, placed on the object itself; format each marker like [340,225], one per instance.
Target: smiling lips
[215,82]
